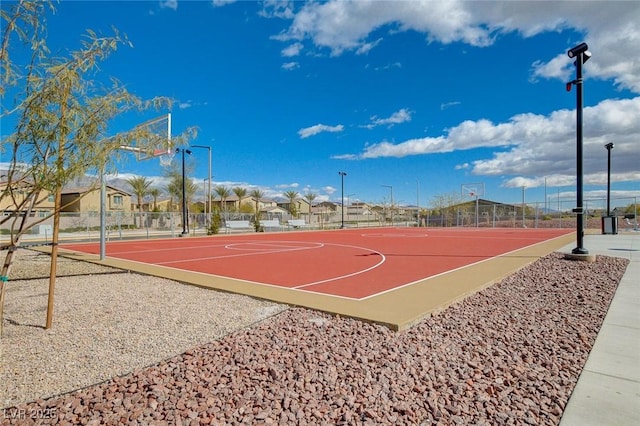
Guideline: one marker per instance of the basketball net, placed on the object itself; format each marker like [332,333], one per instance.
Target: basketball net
[166,159]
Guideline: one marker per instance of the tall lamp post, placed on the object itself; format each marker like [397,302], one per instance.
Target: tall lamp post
[342,175]
[209,185]
[523,207]
[418,201]
[391,189]
[609,147]
[582,55]
[185,232]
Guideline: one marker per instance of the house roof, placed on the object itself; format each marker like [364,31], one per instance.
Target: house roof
[273,209]
[83,189]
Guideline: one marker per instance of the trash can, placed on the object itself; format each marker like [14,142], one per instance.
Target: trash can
[609,225]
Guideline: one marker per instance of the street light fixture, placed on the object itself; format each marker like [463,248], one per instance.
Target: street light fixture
[582,55]
[418,202]
[342,175]
[609,147]
[184,194]
[208,217]
[523,207]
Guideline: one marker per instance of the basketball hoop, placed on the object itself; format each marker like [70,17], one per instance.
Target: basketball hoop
[166,158]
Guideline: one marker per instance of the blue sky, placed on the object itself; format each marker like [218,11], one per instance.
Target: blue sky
[420,96]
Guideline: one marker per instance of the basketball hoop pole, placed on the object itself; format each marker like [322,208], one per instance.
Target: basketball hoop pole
[475,194]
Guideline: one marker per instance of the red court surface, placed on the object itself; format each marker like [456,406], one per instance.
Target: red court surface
[350,263]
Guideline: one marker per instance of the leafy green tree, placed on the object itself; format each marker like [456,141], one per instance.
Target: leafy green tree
[291,196]
[60,118]
[241,193]
[216,222]
[446,205]
[140,185]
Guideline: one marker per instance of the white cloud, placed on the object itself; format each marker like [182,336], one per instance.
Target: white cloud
[169,4]
[289,66]
[329,190]
[219,3]
[287,185]
[277,9]
[536,145]
[387,67]
[366,47]
[397,117]
[342,25]
[292,50]
[611,31]
[446,105]
[319,128]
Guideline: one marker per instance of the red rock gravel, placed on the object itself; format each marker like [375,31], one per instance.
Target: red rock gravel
[509,355]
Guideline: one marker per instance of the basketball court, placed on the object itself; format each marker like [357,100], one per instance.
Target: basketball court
[393,276]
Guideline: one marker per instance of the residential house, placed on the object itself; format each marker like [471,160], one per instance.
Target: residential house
[43,207]
[87,199]
[230,203]
[359,209]
[301,205]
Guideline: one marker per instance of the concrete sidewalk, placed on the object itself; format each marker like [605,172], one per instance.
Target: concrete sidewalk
[608,390]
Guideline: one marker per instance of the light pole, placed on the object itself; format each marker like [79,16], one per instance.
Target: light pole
[208,217]
[418,201]
[523,206]
[582,55]
[609,147]
[184,194]
[391,189]
[342,175]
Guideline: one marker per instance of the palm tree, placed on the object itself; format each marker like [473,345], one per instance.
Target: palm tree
[292,195]
[140,187]
[174,188]
[223,192]
[310,196]
[257,195]
[155,193]
[240,193]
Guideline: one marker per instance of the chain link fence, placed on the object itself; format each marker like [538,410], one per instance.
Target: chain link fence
[556,214]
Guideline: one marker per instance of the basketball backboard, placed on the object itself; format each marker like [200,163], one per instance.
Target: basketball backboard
[153,140]
[472,190]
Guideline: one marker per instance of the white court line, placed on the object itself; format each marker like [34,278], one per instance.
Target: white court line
[269,247]
[222,244]
[395,235]
[456,269]
[274,286]
[382,260]
[298,248]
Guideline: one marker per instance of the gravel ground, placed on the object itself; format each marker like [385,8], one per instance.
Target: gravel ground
[105,323]
[511,354]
